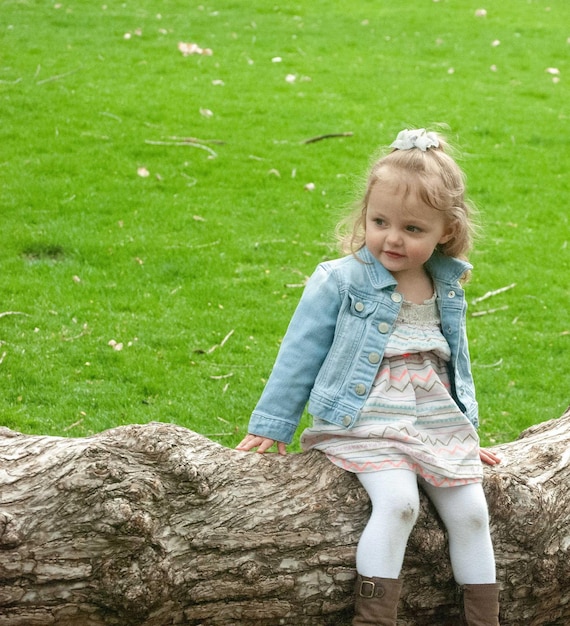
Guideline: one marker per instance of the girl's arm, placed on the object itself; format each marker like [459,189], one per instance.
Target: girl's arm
[303,350]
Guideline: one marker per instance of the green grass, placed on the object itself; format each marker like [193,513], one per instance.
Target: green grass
[170,264]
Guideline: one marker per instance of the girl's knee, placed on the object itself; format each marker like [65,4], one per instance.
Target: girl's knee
[403,511]
[394,496]
[477,518]
[470,519]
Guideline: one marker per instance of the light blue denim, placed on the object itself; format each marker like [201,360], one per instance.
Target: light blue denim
[334,345]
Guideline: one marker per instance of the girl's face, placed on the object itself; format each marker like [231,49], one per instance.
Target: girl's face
[402,231]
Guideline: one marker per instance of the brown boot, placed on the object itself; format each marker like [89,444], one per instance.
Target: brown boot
[481,604]
[376,601]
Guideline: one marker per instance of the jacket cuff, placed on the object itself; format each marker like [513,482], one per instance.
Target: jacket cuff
[271,427]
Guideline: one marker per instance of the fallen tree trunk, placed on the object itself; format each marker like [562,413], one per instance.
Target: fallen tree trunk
[154,525]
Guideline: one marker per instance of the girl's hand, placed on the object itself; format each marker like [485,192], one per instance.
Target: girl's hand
[488,457]
[261,443]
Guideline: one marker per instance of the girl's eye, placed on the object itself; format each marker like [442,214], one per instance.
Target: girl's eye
[379,221]
[414,229]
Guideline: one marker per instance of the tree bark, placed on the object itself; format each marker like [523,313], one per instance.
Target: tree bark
[154,525]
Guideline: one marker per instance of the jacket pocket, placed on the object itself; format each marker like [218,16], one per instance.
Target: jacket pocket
[361,307]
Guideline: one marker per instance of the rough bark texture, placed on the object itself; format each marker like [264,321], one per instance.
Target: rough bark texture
[154,525]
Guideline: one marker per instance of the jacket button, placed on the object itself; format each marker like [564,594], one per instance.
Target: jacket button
[383,327]
[396,297]
[359,307]
[346,420]
[360,389]
[374,358]
[451,294]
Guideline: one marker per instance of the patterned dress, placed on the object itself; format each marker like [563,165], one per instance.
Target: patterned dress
[409,420]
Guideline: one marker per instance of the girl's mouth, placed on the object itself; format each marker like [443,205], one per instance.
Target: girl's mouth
[393,255]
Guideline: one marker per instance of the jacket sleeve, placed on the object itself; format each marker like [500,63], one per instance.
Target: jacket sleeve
[303,350]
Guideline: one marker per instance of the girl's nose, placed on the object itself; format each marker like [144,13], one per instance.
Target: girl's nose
[393,236]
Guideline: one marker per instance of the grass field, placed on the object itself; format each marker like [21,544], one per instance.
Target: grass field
[156,225]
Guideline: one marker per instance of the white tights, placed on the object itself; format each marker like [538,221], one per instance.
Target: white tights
[395,505]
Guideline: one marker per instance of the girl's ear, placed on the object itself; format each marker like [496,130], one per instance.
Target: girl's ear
[449,233]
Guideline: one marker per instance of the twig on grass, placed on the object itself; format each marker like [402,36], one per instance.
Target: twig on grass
[327,136]
[489,311]
[3,357]
[496,292]
[497,364]
[84,332]
[222,342]
[12,313]
[192,144]
[59,76]
[77,423]
[111,115]
[217,142]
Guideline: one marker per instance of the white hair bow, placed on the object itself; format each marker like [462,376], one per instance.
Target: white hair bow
[418,138]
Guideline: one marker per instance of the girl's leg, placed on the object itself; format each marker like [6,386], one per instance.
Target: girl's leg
[380,553]
[395,505]
[464,512]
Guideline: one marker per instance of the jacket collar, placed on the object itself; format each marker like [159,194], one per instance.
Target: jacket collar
[441,268]
[447,268]
[379,276]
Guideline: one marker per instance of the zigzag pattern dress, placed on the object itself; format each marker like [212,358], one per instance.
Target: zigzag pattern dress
[409,420]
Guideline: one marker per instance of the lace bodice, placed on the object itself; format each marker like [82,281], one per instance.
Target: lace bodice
[418,329]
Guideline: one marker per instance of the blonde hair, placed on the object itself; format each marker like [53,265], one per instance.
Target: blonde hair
[437,179]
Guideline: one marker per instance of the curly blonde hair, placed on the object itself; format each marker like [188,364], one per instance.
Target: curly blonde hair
[439,182]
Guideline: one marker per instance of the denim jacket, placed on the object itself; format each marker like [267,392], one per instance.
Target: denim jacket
[334,345]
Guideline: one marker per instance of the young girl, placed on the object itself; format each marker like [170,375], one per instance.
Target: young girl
[377,347]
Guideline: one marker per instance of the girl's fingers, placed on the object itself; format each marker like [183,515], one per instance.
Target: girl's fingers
[261,443]
[246,443]
[489,457]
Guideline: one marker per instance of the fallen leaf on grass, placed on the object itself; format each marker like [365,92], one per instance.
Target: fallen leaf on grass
[310,187]
[143,172]
[138,33]
[555,73]
[193,48]
[116,346]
